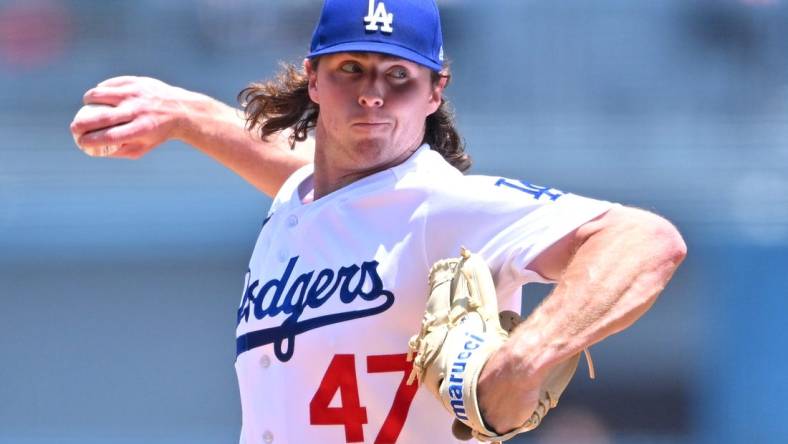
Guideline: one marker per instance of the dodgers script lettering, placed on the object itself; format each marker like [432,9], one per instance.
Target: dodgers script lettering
[289,298]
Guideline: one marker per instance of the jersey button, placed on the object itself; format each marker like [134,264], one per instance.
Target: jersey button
[292,220]
[268,437]
[282,255]
[265,361]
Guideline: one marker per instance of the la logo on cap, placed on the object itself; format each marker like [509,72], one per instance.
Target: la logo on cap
[378,15]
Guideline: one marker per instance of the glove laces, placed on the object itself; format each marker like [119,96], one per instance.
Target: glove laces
[417,345]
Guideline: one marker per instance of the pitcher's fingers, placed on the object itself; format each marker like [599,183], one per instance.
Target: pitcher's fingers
[108,95]
[114,135]
[108,117]
[130,151]
[119,81]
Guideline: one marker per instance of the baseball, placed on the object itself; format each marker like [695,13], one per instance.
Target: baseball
[88,111]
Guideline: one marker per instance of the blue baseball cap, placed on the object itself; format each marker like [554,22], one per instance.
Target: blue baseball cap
[409,29]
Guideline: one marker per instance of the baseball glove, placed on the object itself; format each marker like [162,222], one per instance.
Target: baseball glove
[460,330]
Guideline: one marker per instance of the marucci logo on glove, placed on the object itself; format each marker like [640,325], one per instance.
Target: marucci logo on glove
[457,375]
[309,290]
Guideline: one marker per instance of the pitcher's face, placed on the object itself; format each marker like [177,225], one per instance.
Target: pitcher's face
[373,107]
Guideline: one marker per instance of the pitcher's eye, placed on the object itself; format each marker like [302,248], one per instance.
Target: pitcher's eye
[350,67]
[399,73]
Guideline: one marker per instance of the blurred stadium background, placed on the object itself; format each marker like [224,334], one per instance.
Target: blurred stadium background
[119,279]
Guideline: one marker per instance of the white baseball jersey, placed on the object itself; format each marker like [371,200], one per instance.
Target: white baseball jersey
[336,287]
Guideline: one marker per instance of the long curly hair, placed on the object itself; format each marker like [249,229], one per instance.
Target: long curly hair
[283,102]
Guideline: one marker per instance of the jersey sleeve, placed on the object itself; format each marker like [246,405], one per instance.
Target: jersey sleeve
[509,222]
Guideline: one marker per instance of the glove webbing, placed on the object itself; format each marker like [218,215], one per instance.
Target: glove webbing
[423,360]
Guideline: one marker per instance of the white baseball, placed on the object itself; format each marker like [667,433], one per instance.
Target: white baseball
[88,111]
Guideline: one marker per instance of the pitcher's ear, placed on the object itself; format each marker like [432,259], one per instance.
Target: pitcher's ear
[310,69]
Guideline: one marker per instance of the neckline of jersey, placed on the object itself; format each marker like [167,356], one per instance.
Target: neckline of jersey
[379,178]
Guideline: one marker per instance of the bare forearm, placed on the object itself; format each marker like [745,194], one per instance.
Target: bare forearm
[620,265]
[613,278]
[219,131]
[146,112]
